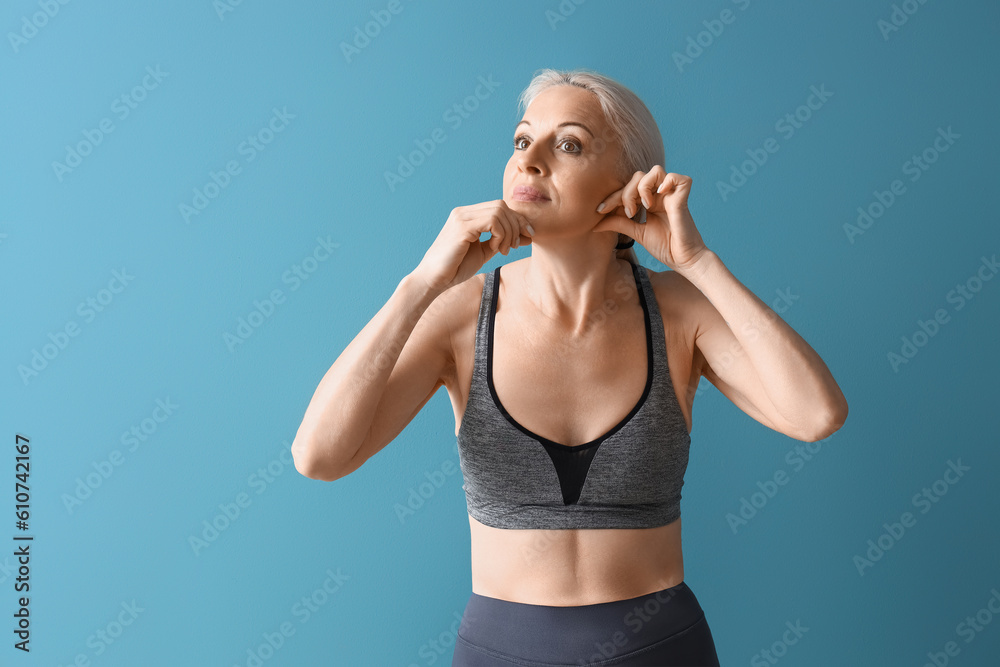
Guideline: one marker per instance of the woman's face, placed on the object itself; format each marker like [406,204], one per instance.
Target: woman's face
[564,149]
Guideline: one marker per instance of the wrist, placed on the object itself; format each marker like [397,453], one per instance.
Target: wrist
[696,270]
[417,288]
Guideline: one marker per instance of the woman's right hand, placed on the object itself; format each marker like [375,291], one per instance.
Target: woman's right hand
[457,253]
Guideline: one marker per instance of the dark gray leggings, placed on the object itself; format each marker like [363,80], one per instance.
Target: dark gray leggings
[665,628]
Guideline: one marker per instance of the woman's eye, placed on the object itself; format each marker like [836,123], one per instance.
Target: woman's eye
[572,142]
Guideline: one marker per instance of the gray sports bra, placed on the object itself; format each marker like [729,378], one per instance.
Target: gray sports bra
[630,477]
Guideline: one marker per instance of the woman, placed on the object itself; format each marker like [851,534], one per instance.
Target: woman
[572,378]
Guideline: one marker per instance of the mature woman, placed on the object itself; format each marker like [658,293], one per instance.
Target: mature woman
[572,376]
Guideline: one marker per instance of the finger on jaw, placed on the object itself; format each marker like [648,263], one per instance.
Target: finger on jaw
[630,195]
[668,181]
[646,185]
[516,222]
[521,235]
[611,202]
[508,232]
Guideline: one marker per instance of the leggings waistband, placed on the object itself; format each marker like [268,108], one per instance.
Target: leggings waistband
[530,634]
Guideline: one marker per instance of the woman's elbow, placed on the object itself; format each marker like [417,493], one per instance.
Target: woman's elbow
[308,464]
[836,418]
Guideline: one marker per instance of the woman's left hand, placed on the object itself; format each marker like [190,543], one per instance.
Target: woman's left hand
[669,233]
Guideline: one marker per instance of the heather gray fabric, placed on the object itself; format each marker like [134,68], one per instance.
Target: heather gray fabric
[631,477]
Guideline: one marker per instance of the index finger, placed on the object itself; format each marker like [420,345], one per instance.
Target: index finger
[611,202]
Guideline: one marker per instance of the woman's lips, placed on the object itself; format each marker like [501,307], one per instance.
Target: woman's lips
[524,196]
[527,193]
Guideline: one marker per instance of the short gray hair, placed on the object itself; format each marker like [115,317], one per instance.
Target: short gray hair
[626,114]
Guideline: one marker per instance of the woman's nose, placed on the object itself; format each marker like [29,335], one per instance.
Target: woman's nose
[531,162]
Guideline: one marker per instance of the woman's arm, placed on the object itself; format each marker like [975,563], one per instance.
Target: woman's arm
[393,367]
[741,345]
[387,373]
[758,361]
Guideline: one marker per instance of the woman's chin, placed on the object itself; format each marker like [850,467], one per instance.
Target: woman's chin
[529,210]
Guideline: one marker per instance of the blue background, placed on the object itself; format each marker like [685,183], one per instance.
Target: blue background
[403,585]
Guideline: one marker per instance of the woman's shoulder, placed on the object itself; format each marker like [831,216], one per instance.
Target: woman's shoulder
[459,304]
[672,283]
[676,296]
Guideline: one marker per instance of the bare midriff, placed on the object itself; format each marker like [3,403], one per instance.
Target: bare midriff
[564,568]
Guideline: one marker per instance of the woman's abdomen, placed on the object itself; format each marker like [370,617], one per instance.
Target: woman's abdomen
[574,567]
